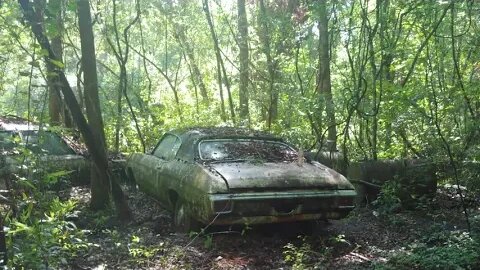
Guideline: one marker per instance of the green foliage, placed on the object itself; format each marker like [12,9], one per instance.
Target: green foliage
[44,236]
[297,256]
[388,201]
[378,115]
[452,250]
[301,256]
[137,250]
[42,231]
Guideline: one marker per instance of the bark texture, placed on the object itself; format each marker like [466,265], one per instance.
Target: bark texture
[324,85]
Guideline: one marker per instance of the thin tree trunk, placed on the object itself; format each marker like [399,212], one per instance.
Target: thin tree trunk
[197,75]
[243,57]
[54,99]
[387,60]
[271,65]
[218,57]
[122,58]
[100,186]
[324,86]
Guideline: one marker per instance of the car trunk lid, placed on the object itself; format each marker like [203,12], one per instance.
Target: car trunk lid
[279,176]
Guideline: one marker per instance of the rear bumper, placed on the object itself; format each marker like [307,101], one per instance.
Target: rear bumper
[285,206]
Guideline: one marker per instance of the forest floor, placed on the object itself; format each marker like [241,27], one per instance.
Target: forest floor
[361,241]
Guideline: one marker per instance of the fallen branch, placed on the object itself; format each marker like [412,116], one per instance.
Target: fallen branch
[360,256]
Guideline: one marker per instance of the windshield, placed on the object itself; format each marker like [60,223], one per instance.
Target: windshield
[245,149]
[45,143]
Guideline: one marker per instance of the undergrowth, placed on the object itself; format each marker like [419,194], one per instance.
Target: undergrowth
[39,227]
[446,250]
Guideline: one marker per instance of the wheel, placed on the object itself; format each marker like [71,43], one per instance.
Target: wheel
[182,219]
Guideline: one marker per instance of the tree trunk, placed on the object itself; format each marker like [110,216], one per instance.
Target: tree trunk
[197,75]
[122,58]
[324,86]
[101,177]
[271,64]
[67,117]
[243,57]
[218,57]
[99,186]
[54,99]
[387,58]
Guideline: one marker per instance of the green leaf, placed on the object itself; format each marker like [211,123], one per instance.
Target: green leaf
[55,176]
[57,63]
[72,6]
[34,63]
[42,52]
[19,227]
[24,73]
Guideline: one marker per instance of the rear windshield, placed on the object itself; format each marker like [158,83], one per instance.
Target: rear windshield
[244,149]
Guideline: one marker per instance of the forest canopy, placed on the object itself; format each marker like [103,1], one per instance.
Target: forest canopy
[403,76]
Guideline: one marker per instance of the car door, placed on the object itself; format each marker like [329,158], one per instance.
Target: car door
[164,155]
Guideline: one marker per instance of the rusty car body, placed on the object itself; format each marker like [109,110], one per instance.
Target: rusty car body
[23,144]
[237,176]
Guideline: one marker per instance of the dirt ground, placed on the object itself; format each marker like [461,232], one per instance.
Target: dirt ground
[362,240]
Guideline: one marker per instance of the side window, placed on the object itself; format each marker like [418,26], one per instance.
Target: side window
[168,147]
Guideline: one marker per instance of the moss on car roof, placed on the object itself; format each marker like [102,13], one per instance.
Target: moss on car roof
[221,132]
[192,135]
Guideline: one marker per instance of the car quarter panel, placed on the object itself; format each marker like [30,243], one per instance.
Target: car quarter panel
[188,180]
[143,167]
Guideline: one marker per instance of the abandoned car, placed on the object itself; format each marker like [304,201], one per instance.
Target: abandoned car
[23,143]
[236,176]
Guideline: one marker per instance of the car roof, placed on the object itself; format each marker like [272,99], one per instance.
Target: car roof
[191,136]
[198,133]
[15,123]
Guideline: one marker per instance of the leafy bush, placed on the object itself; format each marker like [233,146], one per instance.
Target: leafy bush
[388,201]
[33,241]
[302,256]
[297,256]
[137,250]
[456,250]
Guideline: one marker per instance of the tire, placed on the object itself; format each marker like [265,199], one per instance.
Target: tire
[182,219]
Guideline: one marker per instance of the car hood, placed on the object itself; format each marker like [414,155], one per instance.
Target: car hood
[278,176]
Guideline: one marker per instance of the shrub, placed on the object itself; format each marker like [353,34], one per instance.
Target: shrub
[33,241]
[456,250]
[388,201]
